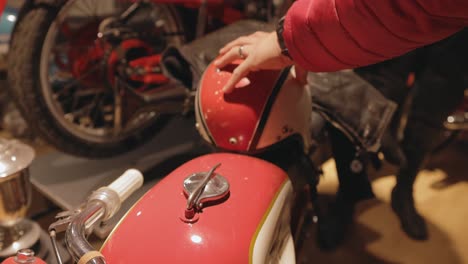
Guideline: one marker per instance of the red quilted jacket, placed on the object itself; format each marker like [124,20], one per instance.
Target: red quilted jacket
[330,35]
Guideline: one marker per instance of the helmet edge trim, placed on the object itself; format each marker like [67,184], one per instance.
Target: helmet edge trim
[267,108]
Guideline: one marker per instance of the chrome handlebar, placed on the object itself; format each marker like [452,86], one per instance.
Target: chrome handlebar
[100,206]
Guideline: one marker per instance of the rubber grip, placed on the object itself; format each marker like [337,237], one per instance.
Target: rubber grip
[130,181]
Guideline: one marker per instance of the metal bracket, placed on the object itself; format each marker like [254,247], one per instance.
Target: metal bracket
[63,221]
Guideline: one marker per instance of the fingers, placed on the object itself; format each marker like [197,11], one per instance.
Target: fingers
[237,42]
[244,40]
[237,75]
[232,55]
[232,51]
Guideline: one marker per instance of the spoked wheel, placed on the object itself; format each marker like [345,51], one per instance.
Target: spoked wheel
[79,72]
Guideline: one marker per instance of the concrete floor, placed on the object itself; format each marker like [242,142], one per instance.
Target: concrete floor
[441,195]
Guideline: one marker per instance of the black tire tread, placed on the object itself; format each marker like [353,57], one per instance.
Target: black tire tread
[24,87]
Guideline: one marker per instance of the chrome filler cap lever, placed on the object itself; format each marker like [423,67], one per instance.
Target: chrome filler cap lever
[204,187]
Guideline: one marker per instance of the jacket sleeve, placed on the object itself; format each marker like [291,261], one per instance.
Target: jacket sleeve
[331,35]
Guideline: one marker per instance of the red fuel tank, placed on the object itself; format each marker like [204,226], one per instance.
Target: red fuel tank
[237,229]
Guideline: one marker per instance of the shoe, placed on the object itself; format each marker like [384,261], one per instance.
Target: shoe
[332,227]
[412,223]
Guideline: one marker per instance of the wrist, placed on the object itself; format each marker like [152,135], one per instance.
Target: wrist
[279,36]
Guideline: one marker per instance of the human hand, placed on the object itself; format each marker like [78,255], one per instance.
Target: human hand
[259,50]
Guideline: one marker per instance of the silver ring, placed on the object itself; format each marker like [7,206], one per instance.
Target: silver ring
[241,53]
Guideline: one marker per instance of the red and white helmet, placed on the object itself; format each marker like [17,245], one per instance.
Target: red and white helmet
[274,106]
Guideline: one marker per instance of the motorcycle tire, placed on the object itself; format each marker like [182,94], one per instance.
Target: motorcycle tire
[32,91]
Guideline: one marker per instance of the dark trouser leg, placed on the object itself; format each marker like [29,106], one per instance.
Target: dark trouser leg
[353,182]
[402,194]
[390,79]
[439,89]
[353,187]
[421,137]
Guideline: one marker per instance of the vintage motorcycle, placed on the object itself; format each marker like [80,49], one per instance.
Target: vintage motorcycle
[86,74]
[248,205]
[211,212]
